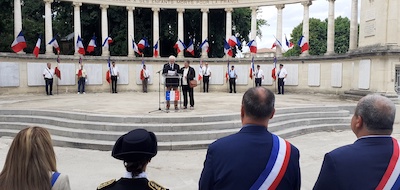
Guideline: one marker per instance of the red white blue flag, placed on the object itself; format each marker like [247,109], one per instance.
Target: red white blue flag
[276,43]
[205,46]
[233,41]
[190,47]
[54,43]
[251,68]
[107,42]
[179,46]
[143,44]
[92,45]
[303,43]
[391,178]
[19,43]
[289,44]
[79,46]
[172,95]
[227,49]
[253,46]
[156,49]
[135,47]
[36,50]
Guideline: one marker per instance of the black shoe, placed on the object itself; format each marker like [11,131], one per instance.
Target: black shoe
[235,91]
[185,107]
[176,108]
[51,94]
[230,92]
[279,93]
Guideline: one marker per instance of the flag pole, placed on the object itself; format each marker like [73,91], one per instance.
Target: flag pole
[58,58]
[252,72]
[109,73]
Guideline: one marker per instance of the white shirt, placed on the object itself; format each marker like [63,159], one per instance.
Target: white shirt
[259,74]
[146,73]
[282,73]
[206,71]
[232,73]
[185,73]
[114,71]
[48,73]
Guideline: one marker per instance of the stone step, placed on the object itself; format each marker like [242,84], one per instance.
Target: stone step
[156,119]
[214,133]
[164,127]
[172,145]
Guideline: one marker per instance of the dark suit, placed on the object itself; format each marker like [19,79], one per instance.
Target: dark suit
[171,82]
[236,161]
[186,88]
[357,166]
[128,184]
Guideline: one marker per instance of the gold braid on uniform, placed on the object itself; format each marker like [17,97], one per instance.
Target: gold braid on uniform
[106,184]
[155,186]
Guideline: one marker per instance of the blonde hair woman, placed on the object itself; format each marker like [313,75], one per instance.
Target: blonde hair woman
[31,163]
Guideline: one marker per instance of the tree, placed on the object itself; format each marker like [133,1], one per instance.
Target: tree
[318,37]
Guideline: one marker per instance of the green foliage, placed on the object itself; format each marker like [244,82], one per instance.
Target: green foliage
[318,37]
[6,25]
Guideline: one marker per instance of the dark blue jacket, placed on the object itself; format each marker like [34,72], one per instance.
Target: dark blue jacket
[357,166]
[236,161]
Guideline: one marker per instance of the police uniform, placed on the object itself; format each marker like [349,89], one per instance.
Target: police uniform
[134,146]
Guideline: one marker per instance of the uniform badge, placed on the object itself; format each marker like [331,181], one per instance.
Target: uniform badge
[106,184]
[155,186]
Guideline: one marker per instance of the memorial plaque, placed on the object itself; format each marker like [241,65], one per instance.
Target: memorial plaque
[267,69]
[370,15]
[336,75]
[242,72]
[314,74]
[68,74]
[152,74]
[292,78]
[370,29]
[217,74]
[35,73]
[9,74]
[123,73]
[364,74]
[95,74]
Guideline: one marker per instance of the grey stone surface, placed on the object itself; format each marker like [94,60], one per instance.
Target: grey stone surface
[242,72]
[293,74]
[68,74]
[9,74]
[336,75]
[95,74]
[267,69]
[364,76]
[314,74]
[217,74]
[35,73]
[123,73]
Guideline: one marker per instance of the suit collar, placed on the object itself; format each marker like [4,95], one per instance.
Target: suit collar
[375,139]
[253,128]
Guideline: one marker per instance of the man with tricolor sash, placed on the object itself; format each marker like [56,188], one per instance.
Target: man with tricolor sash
[372,161]
[253,158]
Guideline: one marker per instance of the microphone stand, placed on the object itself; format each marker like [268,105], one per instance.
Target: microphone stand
[159,93]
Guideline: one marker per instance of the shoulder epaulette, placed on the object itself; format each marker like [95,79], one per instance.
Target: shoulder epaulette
[106,184]
[155,186]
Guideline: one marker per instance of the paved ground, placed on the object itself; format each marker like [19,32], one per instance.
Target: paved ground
[177,170]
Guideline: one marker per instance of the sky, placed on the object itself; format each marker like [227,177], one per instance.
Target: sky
[293,16]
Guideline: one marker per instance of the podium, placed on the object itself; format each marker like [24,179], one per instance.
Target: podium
[171,88]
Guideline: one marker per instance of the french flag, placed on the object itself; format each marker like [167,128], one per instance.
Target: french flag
[227,49]
[179,46]
[135,47]
[19,43]
[205,46]
[172,95]
[200,76]
[303,44]
[233,41]
[143,44]
[79,45]
[156,49]
[107,42]
[288,43]
[92,45]
[54,43]
[251,68]
[37,47]
[190,48]
[276,43]
[253,46]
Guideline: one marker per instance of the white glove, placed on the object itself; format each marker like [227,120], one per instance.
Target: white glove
[85,80]
[284,80]
[235,80]
[118,78]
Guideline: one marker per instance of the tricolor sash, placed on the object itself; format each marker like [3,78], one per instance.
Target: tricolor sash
[276,165]
[391,178]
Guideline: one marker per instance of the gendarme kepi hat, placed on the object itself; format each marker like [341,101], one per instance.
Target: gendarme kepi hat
[137,144]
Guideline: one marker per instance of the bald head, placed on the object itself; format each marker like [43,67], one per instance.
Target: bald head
[377,113]
[258,103]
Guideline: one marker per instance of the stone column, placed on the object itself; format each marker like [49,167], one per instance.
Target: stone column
[331,29]
[48,26]
[17,19]
[228,22]
[104,29]
[180,28]
[204,34]
[306,24]
[253,23]
[279,29]
[354,25]
[77,23]
[156,28]
[131,31]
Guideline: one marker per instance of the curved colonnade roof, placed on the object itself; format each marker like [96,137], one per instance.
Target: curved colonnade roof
[190,4]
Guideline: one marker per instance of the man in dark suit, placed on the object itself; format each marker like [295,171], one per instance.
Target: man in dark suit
[244,160]
[188,74]
[171,69]
[363,164]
